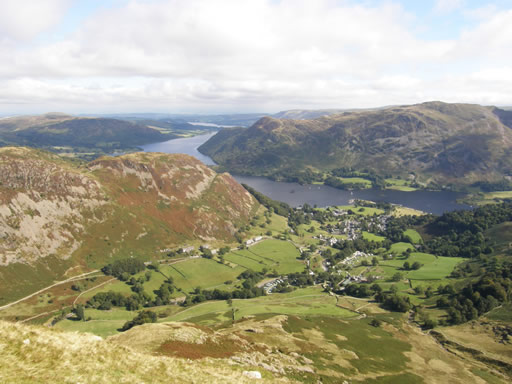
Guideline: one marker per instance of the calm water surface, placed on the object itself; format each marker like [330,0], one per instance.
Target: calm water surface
[295,194]
[187,145]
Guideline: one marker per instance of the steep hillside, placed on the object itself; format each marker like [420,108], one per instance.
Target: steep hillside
[57,218]
[444,143]
[60,130]
[39,355]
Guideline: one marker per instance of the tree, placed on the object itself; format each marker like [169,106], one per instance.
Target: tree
[124,266]
[375,261]
[148,275]
[406,266]
[142,318]
[416,265]
[397,277]
[77,287]
[224,250]
[375,322]
[429,323]
[418,290]
[79,312]
[156,266]
[207,253]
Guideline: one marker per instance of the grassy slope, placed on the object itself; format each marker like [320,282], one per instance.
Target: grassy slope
[58,357]
[372,237]
[413,235]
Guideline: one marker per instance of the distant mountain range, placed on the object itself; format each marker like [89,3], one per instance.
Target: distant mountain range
[57,129]
[438,142]
[235,119]
[59,217]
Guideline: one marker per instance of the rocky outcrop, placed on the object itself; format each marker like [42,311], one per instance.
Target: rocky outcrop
[87,214]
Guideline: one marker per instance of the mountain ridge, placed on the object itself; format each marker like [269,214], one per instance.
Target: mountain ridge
[444,143]
[56,130]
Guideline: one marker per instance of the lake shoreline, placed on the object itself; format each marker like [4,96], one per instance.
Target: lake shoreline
[294,194]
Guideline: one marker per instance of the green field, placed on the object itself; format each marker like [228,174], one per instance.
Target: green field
[308,301]
[499,195]
[355,180]
[434,268]
[413,235]
[399,185]
[204,273]
[399,248]
[271,254]
[372,237]
[115,286]
[403,188]
[102,323]
[187,275]
[362,211]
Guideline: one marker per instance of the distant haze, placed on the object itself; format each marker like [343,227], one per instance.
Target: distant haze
[236,56]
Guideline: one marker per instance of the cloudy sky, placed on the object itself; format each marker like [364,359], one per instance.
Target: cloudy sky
[207,56]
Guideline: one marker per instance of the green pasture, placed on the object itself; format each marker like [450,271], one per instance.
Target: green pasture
[355,180]
[434,268]
[372,237]
[271,254]
[399,248]
[399,185]
[309,301]
[413,235]
[201,272]
[102,323]
[362,211]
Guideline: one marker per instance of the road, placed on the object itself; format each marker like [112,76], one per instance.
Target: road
[74,278]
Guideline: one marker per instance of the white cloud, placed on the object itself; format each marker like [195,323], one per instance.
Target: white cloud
[25,19]
[481,13]
[447,6]
[236,55]
[491,40]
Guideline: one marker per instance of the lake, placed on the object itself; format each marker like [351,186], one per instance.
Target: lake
[186,145]
[295,194]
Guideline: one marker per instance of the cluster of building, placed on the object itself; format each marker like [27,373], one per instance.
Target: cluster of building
[352,280]
[354,257]
[269,286]
[254,241]
[351,228]
[339,212]
[326,240]
[379,223]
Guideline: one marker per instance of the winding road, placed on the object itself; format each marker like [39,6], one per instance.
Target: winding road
[74,278]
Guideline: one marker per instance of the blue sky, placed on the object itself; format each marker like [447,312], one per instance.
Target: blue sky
[81,56]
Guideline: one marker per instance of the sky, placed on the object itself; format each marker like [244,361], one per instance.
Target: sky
[238,56]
